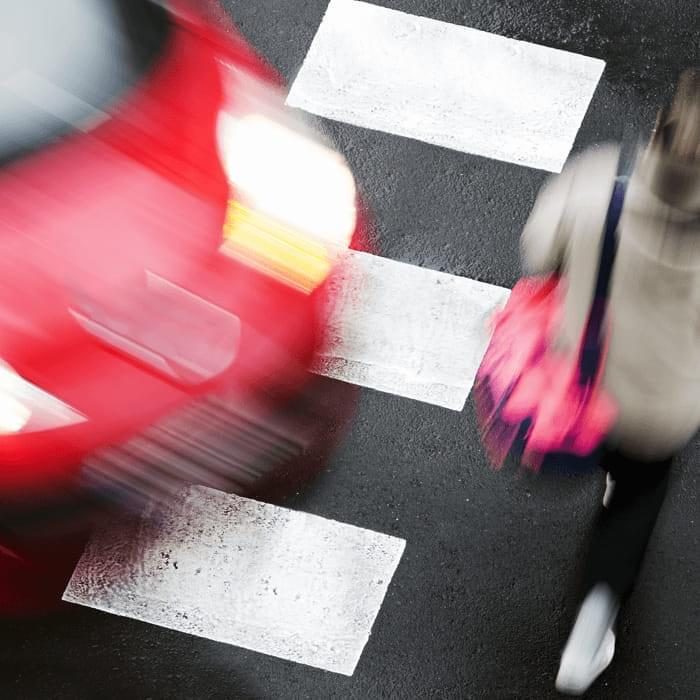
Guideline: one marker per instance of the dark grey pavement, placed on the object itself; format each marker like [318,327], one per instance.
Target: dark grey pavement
[482,599]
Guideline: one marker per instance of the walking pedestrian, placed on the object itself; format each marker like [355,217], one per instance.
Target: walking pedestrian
[652,367]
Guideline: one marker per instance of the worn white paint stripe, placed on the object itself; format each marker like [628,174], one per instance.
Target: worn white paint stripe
[280,582]
[407,330]
[445,84]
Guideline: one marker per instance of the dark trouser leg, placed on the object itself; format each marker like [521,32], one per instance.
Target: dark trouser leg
[622,531]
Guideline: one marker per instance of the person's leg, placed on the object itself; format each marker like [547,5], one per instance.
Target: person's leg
[620,537]
[622,530]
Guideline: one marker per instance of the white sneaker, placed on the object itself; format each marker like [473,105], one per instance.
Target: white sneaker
[609,488]
[591,644]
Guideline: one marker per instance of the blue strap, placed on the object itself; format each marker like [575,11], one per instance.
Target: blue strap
[592,345]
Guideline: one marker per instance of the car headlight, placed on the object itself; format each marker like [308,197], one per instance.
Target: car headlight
[25,408]
[294,198]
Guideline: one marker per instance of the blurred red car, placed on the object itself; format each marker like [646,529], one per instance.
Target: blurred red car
[167,229]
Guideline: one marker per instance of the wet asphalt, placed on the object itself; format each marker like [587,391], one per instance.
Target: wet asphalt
[482,599]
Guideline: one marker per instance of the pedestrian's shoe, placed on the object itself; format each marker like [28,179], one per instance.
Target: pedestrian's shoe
[609,488]
[591,644]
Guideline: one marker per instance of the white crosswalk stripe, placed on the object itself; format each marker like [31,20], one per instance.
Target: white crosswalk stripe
[407,330]
[445,84]
[280,582]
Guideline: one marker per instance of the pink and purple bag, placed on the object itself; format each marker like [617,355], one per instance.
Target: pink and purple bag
[537,406]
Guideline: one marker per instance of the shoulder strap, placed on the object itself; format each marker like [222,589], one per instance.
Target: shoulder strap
[592,342]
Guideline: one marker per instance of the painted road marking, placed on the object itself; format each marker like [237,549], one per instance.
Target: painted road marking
[216,565]
[445,84]
[407,330]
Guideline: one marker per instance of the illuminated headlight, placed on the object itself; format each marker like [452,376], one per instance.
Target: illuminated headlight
[25,408]
[294,206]
[286,176]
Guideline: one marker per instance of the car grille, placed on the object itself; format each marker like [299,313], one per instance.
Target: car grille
[215,442]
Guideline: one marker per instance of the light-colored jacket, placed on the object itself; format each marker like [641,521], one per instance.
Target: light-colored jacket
[653,365]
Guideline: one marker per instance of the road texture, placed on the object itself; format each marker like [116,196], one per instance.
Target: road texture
[483,596]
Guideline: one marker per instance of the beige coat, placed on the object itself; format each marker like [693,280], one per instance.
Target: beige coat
[653,366]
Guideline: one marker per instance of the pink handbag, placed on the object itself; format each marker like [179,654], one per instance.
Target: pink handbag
[538,406]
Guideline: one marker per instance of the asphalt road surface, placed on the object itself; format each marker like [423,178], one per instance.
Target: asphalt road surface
[482,599]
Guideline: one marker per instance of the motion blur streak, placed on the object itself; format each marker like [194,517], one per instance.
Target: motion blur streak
[168,231]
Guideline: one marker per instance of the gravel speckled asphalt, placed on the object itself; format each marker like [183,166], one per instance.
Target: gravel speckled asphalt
[481,601]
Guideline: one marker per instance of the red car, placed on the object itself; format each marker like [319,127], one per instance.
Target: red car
[167,229]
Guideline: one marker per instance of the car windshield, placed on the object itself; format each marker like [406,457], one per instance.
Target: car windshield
[63,63]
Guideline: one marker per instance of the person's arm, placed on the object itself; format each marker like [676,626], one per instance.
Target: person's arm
[545,237]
